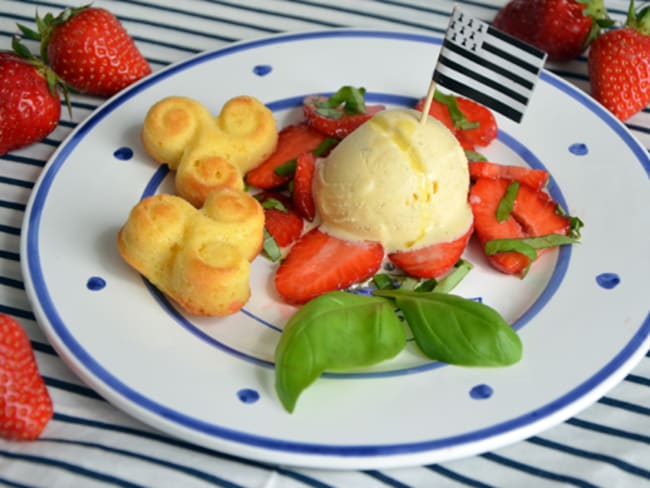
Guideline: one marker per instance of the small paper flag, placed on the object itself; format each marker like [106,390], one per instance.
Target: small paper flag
[490,67]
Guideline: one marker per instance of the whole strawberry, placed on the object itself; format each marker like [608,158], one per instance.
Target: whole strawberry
[562,28]
[25,404]
[29,105]
[619,65]
[89,49]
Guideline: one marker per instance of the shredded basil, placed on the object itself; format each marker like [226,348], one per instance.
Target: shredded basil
[455,276]
[474,156]
[527,246]
[457,117]
[507,202]
[324,146]
[575,224]
[382,281]
[427,285]
[350,98]
[289,167]
[275,204]
[270,247]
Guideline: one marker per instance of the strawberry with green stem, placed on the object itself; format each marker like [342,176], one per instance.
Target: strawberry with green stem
[30,107]
[89,49]
[619,65]
[562,28]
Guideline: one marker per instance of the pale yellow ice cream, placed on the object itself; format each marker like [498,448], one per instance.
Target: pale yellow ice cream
[397,181]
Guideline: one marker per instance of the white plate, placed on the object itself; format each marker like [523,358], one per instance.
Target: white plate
[211,381]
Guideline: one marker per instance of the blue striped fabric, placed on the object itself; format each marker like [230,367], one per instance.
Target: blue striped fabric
[91,443]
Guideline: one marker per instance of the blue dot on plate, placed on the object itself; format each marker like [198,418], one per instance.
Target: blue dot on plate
[123,153]
[608,280]
[579,149]
[95,283]
[248,395]
[481,392]
[262,69]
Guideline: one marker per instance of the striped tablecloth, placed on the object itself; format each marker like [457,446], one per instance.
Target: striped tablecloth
[91,443]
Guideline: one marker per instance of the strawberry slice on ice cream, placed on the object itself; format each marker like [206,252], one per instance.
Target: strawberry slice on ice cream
[318,263]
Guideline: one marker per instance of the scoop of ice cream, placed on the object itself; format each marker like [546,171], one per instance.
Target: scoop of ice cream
[395,180]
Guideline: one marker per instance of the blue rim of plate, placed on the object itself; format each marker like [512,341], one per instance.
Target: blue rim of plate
[124,393]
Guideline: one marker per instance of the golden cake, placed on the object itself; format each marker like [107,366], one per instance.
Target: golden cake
[198,257]
[208,152]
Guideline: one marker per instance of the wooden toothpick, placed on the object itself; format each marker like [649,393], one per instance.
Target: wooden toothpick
[427,102]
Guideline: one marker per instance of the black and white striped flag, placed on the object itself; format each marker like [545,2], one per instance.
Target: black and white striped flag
[487,65]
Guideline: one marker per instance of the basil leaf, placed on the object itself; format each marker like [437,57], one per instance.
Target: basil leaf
[270,247]
[528,245]
[335,331]
[456,330]
[382,281]
[351,98]
[328,112]
[409,283]
[575,224]
[347,99]
[449,282]
[457,117]
[504,209]
[287,168]
[427,285]
[575,227]
[496,246]
[324,146]
[274,203]
[474,155]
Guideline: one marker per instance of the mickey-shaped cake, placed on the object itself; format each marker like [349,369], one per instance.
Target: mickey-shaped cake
[209,152]
[198,257]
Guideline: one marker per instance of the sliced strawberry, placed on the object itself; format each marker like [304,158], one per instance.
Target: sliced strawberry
[318,263]
[480,118]
[484,197]
[537,214]
[534,214]
[280,218]
[431,261]
[293,141]
[303,199]
[339,126]
[534,178]
[487,130]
